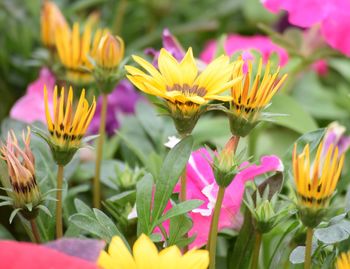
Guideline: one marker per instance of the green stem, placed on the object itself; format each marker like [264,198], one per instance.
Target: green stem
[96,183]
[309,233]
[35,231]
[211,246]
[59,226]
[256,250]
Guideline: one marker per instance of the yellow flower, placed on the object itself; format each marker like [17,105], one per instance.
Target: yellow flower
[316,182]
[21,172]
[145,255]
[250,97]
[74,51]
[51,19]
[343,261]
[185,90]
[66,127]
[110,51]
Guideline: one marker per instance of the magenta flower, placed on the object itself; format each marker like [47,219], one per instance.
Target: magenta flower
[30,107]
[201,185]
[14,255]
[121,100]
[336,135]
[235,43]
[331,15]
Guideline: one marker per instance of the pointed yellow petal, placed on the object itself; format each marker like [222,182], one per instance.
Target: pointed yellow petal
[145,253]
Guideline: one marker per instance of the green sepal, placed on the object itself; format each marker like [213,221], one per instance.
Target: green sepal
[311,217]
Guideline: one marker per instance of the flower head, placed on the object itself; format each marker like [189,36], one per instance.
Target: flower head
[185,91]
[74,49]
[145,255]
[67,127]
[343,261]
[110,51]
[251,95]
[51,19]
[316,182]
[23,188]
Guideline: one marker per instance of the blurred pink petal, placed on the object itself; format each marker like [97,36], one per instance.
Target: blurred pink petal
[201,185]
[332,15]
[15,255]
[30,107]
[321,67]
[235,43]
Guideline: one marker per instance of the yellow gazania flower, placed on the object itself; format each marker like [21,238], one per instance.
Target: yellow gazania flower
[145,255]
[316,183]
[66,127]
[51,19]
[74,50]
[110,51]
[250,97]
[20,165]
[181,85]
[343,261]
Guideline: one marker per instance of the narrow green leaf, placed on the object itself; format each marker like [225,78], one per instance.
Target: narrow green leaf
[13,214]
[174,164]
[143,204]
[180,209]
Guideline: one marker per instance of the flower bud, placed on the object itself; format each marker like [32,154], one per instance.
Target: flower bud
[110,51]
[51,19]
[127,177]
[21,174]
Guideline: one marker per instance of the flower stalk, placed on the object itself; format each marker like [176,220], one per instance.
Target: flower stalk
[59,225]
[308,248]
[256,251]
[96,183]
[35,231]
[213,235]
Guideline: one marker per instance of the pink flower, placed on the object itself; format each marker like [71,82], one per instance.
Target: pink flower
[30,107]
[332,15]
[201,185]
[14,255]
[235,43]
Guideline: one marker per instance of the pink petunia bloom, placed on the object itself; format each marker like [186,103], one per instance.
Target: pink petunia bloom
[30,107]
[14,255]
[201,185]
[235,43]
[332,15]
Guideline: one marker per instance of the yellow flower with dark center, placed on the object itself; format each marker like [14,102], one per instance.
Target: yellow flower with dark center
[74,51]
[316,182]
[21,172]
[51,19]
[145,255]
[251,95]
[66,127]
[343,261]
[185,90]
[110,51]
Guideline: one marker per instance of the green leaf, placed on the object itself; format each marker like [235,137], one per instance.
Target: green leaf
[179,227]
[107,223]
[13,214]
[180,209]
[298,254]
[296,117]
[334,233]
[5,234]
[143,204]
[82,208]
[173,166]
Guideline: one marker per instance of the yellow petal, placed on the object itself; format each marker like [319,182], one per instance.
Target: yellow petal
[169,258]
[188,68]
[120,254]
[145,253]
[195,259]
[169,68]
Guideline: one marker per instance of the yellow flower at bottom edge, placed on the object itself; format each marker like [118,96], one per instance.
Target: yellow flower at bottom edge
[146,256]
[343,261]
